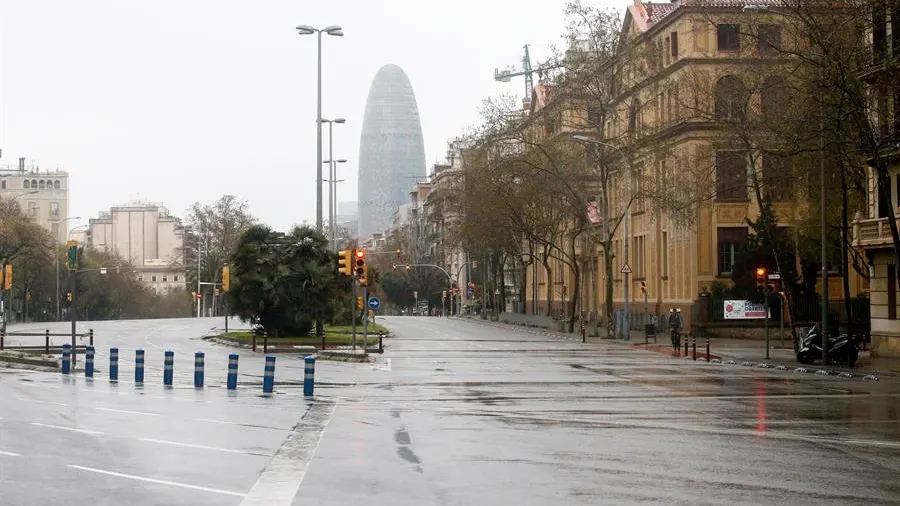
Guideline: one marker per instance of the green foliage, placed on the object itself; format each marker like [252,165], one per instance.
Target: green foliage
[397,288]
[284,282]
[767,246]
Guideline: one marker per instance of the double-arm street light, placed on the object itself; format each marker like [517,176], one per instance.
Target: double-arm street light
[332,189]
[584,138]
[336,31]
[22,194]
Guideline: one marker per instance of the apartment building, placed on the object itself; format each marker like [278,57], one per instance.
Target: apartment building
[43,194]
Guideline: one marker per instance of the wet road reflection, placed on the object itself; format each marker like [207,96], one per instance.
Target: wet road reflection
[468,413]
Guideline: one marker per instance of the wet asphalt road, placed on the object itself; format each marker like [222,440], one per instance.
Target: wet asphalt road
[455,413]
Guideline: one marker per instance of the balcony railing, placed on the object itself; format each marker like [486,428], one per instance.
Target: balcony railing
[872,232]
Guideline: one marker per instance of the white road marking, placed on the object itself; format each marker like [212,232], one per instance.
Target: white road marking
[160,482]
[872,442]
[280,480]
[113,410]
[147,340]
[9,454]
[60,427]
[242,424]
[199,447]
[25,399]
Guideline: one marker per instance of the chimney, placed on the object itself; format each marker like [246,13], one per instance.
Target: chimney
[21,164]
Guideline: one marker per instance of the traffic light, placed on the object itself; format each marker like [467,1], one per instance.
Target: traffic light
[761,279]
[72,255]
[226,278]
[216,292]
[7,277]
[359,303]
[69,296]
[360,269]
[644,287]
[344,262]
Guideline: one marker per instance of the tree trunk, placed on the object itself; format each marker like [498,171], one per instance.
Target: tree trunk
[608,268]
[845,245]
[546,263]
[884,191]
[576,285]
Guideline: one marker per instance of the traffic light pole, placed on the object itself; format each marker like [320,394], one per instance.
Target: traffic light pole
[353,312]
[766,324]
[366,321]
[72,314]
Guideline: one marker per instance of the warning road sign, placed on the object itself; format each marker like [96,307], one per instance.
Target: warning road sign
[626,269]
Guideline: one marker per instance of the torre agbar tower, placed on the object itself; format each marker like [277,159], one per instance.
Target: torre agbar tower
[391,150]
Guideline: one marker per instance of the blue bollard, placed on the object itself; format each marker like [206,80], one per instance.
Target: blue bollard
[232,371]
[309,375]
[269,377]
[139,367]
[113,364]
[89,362]
[66,358]
[168,367]
[198,369]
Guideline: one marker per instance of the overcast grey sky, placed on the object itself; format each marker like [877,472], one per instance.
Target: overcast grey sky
[182,101]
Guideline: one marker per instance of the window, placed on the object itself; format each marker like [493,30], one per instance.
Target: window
[773,97]
[176,278]
[3,184]
[33,209]
[730,241]
[731,175]
[165,279]
[769,41]
[879,32]
[728,37]
[54,209]
[56,185]
[892,291]
[674,38]
[34,183]
[26,184]
[153,279]
[776,178]
[41,184]
[731,99]
[634,119]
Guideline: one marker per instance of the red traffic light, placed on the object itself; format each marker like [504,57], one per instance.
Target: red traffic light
[761,271]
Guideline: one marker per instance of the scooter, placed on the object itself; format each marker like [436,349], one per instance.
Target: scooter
[841,349]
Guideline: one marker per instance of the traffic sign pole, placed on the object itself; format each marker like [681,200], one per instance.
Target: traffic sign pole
[366,322]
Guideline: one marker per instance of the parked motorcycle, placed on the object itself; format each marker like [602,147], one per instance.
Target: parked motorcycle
[841,349]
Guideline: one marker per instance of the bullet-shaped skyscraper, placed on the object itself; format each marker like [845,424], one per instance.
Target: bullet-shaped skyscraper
[391,150]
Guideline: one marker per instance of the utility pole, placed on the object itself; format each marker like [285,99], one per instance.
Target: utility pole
[199,253]
[626,279]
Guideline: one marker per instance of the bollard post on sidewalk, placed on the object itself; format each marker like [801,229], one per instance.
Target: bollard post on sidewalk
[686,343]
[89,362]
[380,341]
[583,330]
[139,367]
[708,356]
[269,375]
[694,346]
[91,337]
[309,375]
[47,342]
[198,369]
[232,371]
[66,358]
[168,367]
[113,364]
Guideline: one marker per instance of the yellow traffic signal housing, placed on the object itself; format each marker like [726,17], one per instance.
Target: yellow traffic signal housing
[360,269]
[69,296]
[7,277]
[216,292]
[644,287]
[761,279]
[226,278]
[345,260]
[359,303]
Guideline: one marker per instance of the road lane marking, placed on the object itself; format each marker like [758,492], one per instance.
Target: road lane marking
[154,480]
[72,429]
[201,447]
[241,424]
[25,399]
[281,479]
[9,454]
[872,442]
[113,410]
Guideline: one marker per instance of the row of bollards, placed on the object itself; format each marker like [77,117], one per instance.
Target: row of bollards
[199,368]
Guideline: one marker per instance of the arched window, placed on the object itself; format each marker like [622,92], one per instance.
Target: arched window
[774,97]
[56,185]
[26,184]
[731,99]
[41,184]
[34,183]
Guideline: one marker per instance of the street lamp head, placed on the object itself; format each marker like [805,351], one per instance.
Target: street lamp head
[339,120]
[306,30]
[341,160]
[582,138]
[334,30]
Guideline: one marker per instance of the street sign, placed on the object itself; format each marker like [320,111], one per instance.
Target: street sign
[626,269]
[775,275]
[374,303]
[470,293]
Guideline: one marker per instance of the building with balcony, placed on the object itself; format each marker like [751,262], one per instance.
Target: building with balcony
[872,229]
[148,237]
[43,194]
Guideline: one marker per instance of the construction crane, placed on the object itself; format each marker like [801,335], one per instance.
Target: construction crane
[508,73]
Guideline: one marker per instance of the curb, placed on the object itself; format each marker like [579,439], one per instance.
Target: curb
[19,358]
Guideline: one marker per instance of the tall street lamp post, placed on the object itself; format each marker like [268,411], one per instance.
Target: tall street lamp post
[337,32]
[333,181]
[331,173]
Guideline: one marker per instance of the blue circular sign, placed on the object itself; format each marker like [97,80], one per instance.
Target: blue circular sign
[374,303]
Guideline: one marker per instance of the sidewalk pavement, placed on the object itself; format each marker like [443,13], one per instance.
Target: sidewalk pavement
[737,350]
